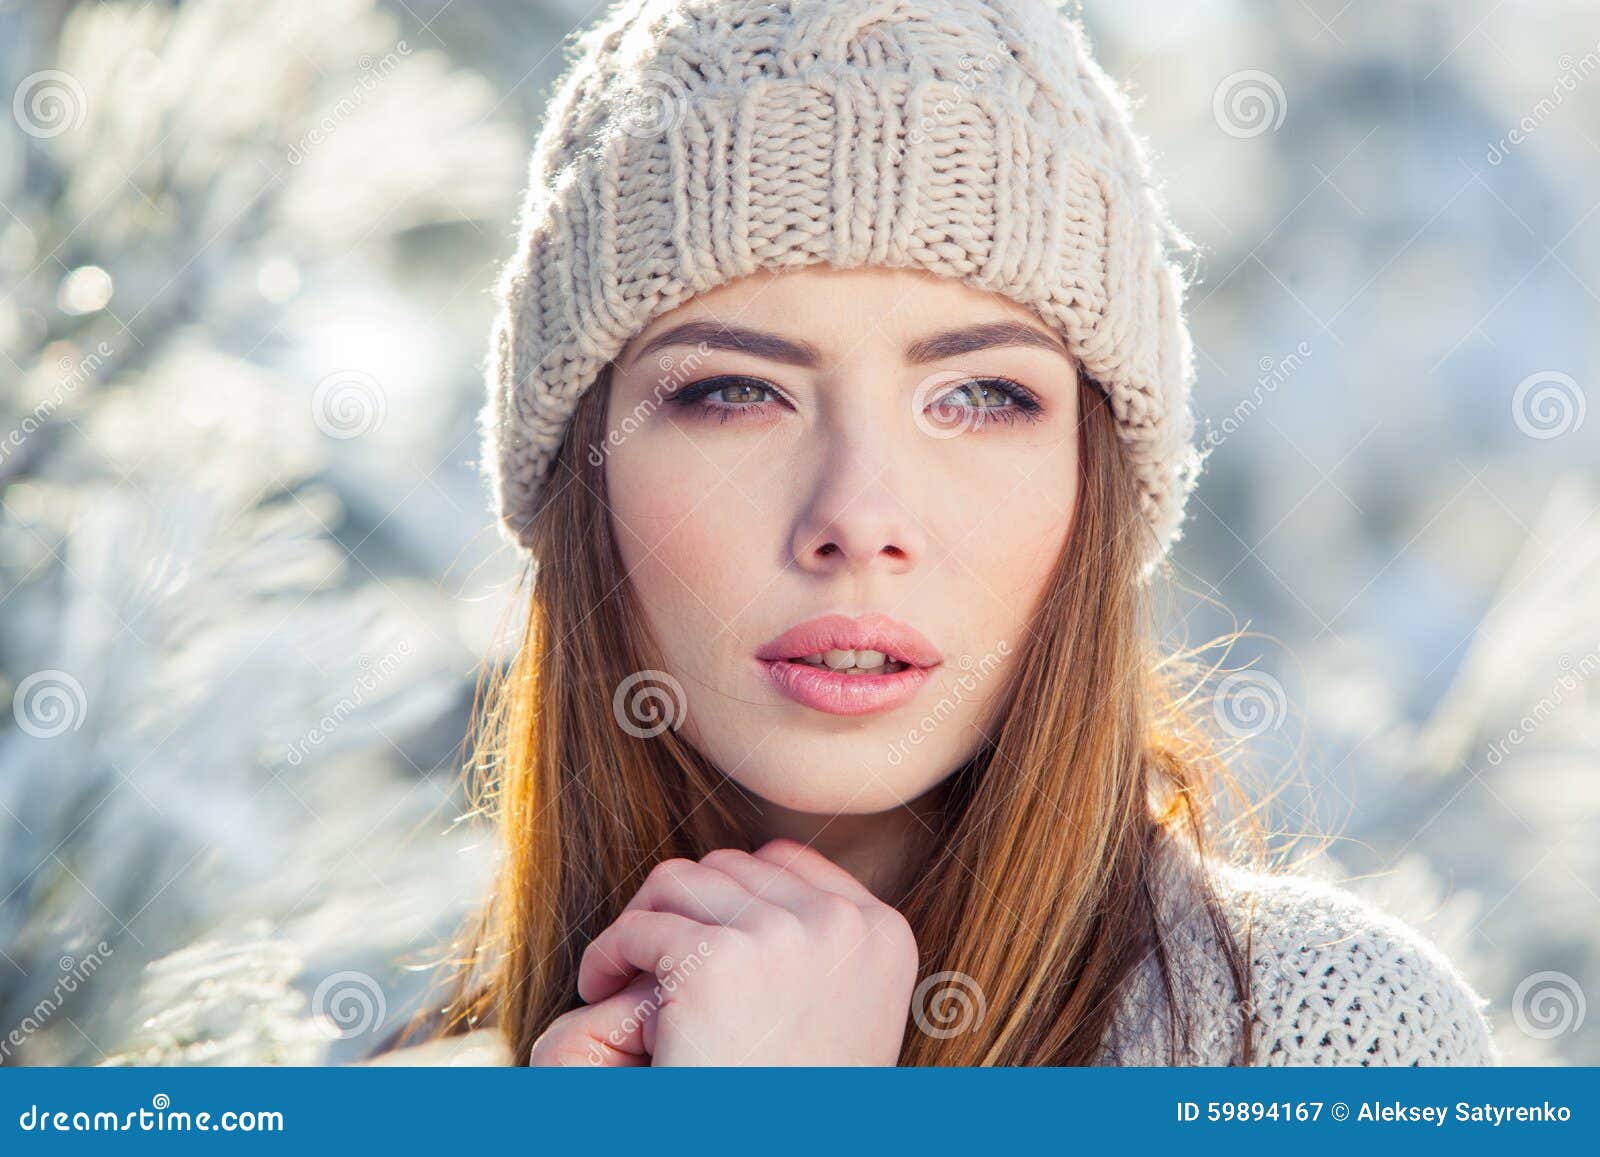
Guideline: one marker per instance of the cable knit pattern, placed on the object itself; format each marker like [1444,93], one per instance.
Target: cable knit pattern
[694,142]
[1335,980]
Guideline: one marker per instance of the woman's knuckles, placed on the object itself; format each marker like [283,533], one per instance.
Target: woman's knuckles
[822,974]
[721,858]
[894,932]
[778,927]
[837,915]
[790,855]
[673,875]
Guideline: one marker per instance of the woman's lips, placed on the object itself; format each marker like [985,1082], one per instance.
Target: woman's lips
[838,694]
[872,632]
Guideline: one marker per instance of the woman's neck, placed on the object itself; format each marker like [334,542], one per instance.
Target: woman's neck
[876,849]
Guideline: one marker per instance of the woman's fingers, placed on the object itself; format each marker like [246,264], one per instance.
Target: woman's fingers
[772,957]
[639,940]
[816,869]
[681,901]
[610,1034]
[764,879]
[694,890]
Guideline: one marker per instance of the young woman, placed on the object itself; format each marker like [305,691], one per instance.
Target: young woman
[840,398]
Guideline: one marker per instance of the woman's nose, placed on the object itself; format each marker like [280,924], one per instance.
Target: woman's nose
[857,515]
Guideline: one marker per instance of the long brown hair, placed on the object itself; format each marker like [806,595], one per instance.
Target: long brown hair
[1036,882]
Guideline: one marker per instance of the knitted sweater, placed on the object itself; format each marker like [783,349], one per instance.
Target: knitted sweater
[1336,981]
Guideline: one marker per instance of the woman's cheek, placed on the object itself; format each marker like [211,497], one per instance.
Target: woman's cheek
[674,462]
[685,547]
[653,483]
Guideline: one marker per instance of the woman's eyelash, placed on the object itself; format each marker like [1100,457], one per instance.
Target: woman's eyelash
[1024,402]
[696,393]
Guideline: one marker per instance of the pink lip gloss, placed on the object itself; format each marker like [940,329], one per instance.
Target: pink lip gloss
[838,694]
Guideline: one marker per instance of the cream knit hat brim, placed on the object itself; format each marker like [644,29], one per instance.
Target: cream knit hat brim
[694,142]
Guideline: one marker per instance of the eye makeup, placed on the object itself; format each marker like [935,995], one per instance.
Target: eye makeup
[701,399]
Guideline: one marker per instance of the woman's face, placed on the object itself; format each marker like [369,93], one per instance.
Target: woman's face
[890,449]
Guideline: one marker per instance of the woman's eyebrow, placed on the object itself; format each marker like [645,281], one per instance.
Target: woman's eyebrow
[932,348]
[984,335]
[720,335]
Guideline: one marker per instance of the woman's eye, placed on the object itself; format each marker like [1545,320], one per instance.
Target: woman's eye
[988,399]
[725,398]
[971,404]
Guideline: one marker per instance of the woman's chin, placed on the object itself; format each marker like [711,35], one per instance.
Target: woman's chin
[802,789]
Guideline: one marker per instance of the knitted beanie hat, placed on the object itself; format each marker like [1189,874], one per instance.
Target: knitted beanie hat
[693,142]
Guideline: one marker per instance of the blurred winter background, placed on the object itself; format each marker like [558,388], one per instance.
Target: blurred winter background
[247,575]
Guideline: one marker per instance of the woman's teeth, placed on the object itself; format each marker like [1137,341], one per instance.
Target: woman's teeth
[853,662]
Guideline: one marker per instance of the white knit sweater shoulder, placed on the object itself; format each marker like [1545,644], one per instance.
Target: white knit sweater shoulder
[1334,980]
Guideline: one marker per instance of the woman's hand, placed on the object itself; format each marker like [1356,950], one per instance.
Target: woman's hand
[609,1034]
[779,957]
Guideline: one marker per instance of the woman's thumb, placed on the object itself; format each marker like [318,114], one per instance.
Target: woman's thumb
[607,1034]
